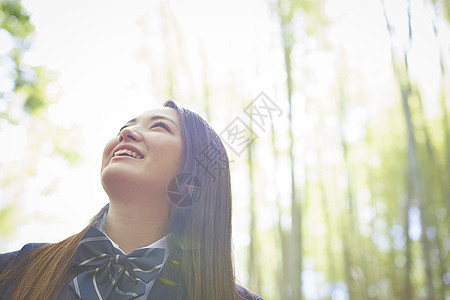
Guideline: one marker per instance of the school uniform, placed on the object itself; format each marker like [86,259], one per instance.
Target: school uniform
[167,283]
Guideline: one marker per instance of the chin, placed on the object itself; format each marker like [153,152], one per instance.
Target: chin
[115,178]
[124,182]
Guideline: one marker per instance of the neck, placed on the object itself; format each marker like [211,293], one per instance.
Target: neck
[136,224]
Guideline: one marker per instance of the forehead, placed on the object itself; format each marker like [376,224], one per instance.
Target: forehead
[165,112]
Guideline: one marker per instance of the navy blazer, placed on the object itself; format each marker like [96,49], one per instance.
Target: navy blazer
[169,284]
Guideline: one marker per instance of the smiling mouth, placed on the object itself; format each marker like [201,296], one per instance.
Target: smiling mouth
[129,153]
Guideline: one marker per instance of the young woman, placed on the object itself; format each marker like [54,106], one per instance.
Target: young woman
[165,234]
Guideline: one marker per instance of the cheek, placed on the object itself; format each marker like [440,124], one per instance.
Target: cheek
[107,152]
[170,159]
[179,157]
[175,158]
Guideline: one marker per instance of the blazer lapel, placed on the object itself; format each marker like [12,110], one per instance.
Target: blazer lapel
[169,285]
[67,294]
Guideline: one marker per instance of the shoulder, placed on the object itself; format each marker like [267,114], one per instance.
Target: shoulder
[10,258]
[243,292]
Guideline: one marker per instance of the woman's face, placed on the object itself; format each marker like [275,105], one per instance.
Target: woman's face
[145,155]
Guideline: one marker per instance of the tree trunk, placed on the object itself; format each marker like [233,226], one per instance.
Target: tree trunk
[414,172]
[285,11]
[416,181]
[435,187]
[356,278]
[295,241]
[408,292]
[282,236]
[206,88]
[326,215]
[253,269]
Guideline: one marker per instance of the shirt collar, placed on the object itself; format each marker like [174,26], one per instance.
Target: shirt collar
[161,243]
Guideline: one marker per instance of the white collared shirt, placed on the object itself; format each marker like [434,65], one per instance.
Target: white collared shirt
[161,243]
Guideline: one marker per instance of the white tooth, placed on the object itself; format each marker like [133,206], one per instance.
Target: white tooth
[129,152]
[118,152]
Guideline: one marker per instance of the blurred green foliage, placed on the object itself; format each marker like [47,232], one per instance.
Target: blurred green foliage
[24,102]
[445,7]
[6,215]
[15,19]
[30,82]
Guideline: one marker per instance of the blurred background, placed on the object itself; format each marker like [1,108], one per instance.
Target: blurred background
[343,191]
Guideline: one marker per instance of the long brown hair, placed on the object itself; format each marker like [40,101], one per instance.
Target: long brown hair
[202,230]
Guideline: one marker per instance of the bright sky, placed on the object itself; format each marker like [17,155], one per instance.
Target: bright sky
[93,46]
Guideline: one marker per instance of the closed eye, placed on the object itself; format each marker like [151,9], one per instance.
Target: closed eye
[123,127]
[161,124]
[157,124]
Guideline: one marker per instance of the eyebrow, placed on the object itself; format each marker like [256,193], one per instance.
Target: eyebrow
[154,118]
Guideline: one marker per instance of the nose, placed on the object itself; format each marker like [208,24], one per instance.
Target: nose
[130,133]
